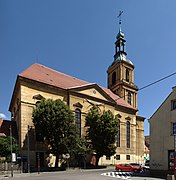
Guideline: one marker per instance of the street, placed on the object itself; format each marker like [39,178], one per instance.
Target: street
[78,174]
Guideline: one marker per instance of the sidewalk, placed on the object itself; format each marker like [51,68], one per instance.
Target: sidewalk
[17,174]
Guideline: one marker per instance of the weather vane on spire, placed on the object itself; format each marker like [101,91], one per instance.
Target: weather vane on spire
[119,16]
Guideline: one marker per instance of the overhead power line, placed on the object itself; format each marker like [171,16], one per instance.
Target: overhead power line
[155,82]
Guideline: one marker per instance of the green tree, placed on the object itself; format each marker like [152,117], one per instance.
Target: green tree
[79,150]
[5,147]
[102,128]
[53,120]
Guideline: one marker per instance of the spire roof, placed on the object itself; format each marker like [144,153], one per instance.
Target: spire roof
[120,53]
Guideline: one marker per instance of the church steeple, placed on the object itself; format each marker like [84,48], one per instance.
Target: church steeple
[121,71]
[120,53]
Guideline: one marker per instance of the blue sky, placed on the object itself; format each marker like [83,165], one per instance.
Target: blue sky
[77,37]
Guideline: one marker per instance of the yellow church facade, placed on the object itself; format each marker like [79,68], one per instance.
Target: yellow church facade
[38,81]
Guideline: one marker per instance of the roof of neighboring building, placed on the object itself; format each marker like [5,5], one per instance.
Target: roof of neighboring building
[5,128]
[43,74]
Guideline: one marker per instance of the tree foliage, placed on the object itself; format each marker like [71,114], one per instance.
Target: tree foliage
[102,128]
[5,147]
[79,149]
[53,120]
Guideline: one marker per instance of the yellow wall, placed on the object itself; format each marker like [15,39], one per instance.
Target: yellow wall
[27,90]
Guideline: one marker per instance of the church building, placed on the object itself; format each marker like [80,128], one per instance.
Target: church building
[39,81]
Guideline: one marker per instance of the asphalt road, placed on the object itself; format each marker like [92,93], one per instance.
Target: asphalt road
[78,174]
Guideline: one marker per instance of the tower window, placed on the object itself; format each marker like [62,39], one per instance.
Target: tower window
[128,134]
[127,75]
[113,78]
[118,134]
[129,98]
[78,121]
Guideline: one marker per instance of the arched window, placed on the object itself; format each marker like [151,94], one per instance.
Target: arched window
[78,121]
[128,134]
[127,75]
[113,78]
[129,98]
[118,135]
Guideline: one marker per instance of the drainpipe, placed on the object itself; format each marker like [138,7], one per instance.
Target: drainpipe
[68,98]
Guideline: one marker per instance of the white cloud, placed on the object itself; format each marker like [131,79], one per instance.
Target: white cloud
[2,116]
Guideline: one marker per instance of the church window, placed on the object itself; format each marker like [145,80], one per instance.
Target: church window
[37,103]
[39,137]
[173,104]
[118,135]
[113,78]
[128,134]
[78,121]
[127,75]
[129,98]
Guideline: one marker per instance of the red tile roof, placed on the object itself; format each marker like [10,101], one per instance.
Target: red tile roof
[49,76]
[5,128]
[117,99]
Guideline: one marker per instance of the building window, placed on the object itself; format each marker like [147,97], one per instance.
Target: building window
[127,157]
[117,157]
[129,98]
[113,78]
[128,134]
[170,159]
[173,104]
[78,121]
[108,158]
[173,128]
[127,75]
[118,135]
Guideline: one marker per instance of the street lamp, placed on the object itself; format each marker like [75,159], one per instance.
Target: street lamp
[11,151]
[28,149]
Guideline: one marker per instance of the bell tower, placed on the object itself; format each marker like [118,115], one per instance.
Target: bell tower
[121,71]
